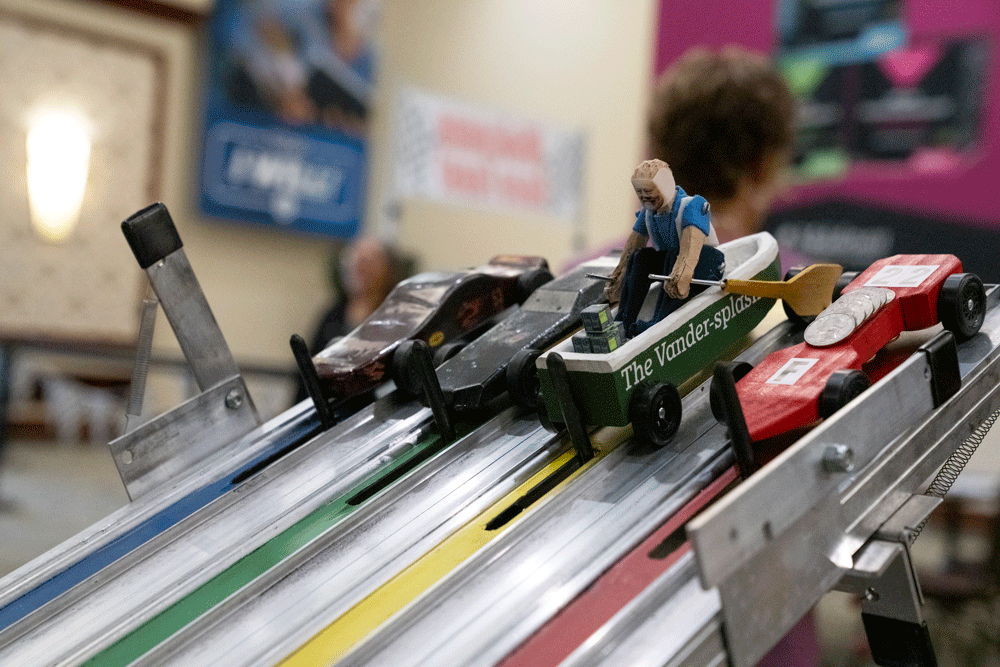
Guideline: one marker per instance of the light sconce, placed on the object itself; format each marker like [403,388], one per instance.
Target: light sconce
[58,161]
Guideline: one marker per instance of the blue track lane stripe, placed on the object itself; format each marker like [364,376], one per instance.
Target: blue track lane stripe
[145,531]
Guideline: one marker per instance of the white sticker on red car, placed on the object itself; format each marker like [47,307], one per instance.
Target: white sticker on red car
[902,275]
[792,371]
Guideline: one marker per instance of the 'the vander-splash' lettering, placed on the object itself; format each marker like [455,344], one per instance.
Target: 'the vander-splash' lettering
[635,372]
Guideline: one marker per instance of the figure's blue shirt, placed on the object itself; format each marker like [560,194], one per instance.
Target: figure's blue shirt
[662,227]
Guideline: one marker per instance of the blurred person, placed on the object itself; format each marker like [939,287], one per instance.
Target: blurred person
[724,122]
[361,276]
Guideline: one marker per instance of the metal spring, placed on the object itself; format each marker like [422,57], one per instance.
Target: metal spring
[956,463]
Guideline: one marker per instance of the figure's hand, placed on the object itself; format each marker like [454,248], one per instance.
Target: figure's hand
[677,285]
[613,290]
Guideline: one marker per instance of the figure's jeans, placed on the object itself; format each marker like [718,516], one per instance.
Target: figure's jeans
[642,262]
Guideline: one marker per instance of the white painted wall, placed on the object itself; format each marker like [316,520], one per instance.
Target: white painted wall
[579,65]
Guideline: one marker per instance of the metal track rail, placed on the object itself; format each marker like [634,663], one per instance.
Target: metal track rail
[339,570]
[498,598]
[711,626]
[58,570]
[154,574]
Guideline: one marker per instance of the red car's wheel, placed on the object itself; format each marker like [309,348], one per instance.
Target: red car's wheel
[961,305]
[656,413]
[840,389]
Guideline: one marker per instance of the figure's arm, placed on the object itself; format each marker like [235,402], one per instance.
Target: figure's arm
[678,283]
[613,290]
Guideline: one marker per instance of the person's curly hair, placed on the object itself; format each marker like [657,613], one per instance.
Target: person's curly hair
[717,116]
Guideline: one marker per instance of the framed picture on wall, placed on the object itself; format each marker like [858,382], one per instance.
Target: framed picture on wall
[287,106]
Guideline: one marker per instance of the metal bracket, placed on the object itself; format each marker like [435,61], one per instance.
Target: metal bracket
[163,447]
[223,411]
[891,600]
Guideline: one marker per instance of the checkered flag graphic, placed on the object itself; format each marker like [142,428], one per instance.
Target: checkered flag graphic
[414,147]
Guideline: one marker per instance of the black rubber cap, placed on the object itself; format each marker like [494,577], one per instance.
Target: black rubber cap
[151,234]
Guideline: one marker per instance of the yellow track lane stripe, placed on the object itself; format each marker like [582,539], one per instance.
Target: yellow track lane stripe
[334,640]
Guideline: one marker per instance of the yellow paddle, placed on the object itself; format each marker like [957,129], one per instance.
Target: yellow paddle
[807,293]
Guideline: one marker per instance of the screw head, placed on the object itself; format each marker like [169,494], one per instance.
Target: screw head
[871,595]
[838,458]
[234,399]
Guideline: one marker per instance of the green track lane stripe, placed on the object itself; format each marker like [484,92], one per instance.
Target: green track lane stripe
[242,572]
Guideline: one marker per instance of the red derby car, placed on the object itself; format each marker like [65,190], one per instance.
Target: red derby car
[794,387]
[436,308]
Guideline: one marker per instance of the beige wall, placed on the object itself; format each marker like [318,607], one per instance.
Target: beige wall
[582,66]
[578,65]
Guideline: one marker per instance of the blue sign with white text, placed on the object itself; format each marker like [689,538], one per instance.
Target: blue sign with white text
[287,108]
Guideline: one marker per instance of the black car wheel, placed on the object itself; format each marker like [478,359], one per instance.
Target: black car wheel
[404,367]
[522,378]
[529,282]
[446,352]
[739,370]
[840,389]
[548,424]
[656,413]
[961,305]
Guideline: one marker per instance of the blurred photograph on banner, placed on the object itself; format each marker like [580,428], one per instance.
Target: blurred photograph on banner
[287,105]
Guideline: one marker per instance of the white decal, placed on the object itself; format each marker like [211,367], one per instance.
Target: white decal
[792,371]
[902,275]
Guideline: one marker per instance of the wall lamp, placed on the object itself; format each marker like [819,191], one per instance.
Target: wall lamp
[58,162]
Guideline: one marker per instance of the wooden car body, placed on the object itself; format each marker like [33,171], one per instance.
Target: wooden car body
[435,307]
[692,338]
[782,393]
[477,373]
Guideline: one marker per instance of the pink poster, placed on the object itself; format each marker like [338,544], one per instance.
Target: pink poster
[898,141]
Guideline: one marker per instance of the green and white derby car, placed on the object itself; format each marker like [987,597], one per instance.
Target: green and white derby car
[638,382]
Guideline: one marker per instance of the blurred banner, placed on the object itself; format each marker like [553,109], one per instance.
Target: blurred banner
[286,113]
[896,150]
[467,155]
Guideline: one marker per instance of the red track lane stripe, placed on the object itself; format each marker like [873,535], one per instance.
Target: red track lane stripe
[582,617]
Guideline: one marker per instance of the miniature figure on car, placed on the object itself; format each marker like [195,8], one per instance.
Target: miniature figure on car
[684,247]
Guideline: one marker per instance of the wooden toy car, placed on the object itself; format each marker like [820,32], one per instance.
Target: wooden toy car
[638,382]
[435,307]
[795,387]
[498,359]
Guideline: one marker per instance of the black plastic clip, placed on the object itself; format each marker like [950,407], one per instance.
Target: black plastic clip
[942,355]
[724,385]
[151,234]
[311,379]
[571,415]
[420,362]
[898,643]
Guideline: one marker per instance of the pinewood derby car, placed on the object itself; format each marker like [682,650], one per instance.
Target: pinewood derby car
[794,387]
[504,357]
[434,307]
[638,382]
